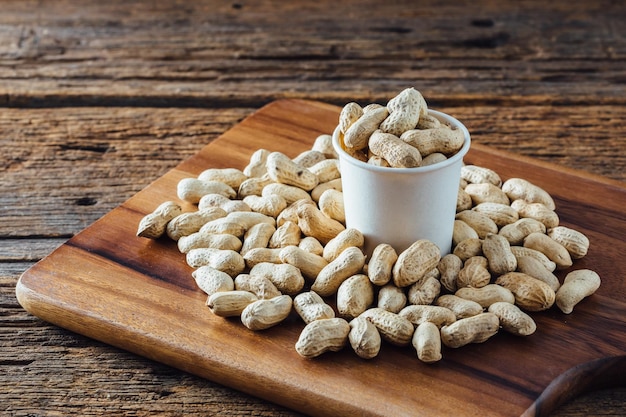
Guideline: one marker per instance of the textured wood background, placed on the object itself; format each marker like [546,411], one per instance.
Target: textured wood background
[98,100]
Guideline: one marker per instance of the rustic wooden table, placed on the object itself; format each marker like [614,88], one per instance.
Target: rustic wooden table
[99,99]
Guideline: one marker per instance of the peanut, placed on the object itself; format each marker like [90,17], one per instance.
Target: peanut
[418,314]
[314,223]
[209,201]
[533,267]
[283,170]
[290,214]
[576,243]
[530,293]
[521,189]
[331,204]
[497,250]
[223,225]
[487,295]
[309,264]
[428,121]
[475,174]
[393,328]
[427,342]
[462,231]
[349,114]
[475,329]
[414,262]
[480,222]
[324,143]
[425,290]
[443,140]
[377,160]
[326,170]
[381,264]
[449,267]
[358,134]
[224,260]
[468,248]
[270,205]
[391,298]
[354,296]
[232,177]
[309,158]
[517,231]
[153,225]
[512,319]
[193,189]
[260,286]
[258,255]
[287,278]
[536,211]
[230,303]
[316,193]
[433,158]
[253,186]
[290,193]
[348,263]
[576,286]
[394,150]
[288,234]
[211,280]
[463,200]
[209,240]
[187,223]
[364,338]
[247,219]
[310,307]
[345,239]
[311,245]
[405,110]
[474,273]
[256,166]
[486,193]
[263,314]
[520,251]
[461,307]
[257,236]
[501,213]
[549,247]
[321,336]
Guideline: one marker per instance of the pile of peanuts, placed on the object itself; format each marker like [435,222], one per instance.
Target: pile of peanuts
[401,134]
[271,239]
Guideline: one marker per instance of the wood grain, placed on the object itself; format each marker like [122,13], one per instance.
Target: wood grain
[146,302]
[135,77]
[246,54]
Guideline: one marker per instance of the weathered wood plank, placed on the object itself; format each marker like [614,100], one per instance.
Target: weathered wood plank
[545,59]
[251,53]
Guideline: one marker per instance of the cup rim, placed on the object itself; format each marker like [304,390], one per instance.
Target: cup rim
[410,171]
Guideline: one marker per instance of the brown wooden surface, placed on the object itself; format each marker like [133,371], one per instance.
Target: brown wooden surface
[101,99]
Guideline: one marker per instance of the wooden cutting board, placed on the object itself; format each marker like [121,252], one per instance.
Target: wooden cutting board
[138,294]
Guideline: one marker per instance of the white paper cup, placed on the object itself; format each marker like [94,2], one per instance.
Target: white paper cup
[399,206]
